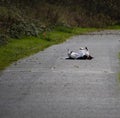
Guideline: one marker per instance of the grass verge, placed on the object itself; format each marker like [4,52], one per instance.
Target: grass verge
[21,48]
[115,27]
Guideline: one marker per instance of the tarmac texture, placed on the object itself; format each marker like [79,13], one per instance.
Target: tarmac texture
[47,85]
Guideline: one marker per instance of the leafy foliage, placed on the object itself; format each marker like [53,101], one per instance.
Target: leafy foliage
[21,29]
[3,39]
[20,18]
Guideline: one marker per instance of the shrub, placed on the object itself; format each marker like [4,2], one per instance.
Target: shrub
[31,30]
[21,29]
[3,39]
[64,28]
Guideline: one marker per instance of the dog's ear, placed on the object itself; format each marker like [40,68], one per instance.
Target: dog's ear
[90,57]
[86,48]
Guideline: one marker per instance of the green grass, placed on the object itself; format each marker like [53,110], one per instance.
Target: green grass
[17,49]
[20,48]
[78,31]
[115,27]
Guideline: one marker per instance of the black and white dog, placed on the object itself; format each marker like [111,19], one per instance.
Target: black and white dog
[81,54]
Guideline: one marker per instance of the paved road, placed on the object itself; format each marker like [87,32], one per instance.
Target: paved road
[46,85]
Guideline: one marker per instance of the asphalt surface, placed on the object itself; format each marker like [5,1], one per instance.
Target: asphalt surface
[46,85]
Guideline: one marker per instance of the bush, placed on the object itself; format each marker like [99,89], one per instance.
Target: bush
[3,39]
[98,20]
[13,23]
[21,29]
[64,29]
[31,30]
